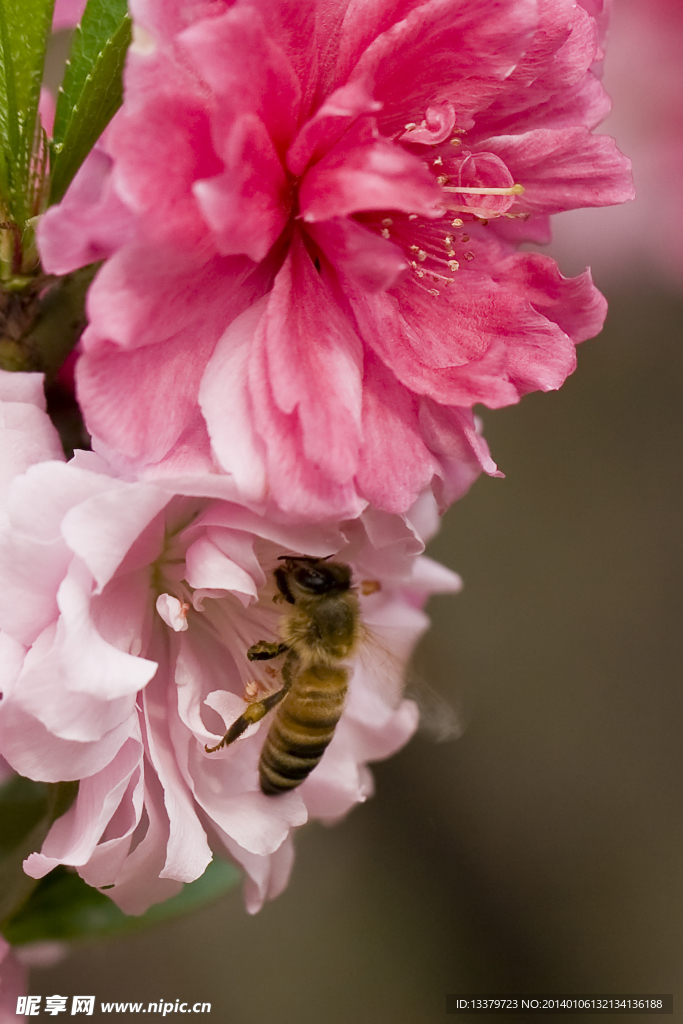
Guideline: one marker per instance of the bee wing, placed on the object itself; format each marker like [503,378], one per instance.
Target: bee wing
[386,649]
[382,670]
[440,719]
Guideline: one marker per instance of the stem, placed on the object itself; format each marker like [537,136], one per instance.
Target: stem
[59,322]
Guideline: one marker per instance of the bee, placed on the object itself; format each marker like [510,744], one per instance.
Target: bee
[319,633]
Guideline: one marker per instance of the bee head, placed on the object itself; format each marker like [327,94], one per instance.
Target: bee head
[305,576]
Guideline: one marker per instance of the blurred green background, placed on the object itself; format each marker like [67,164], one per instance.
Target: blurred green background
[543,850]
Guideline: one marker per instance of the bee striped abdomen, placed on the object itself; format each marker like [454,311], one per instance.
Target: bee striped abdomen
[303,727]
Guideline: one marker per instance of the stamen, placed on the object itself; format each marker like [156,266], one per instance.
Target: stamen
[385,233]
[514,190]
[368,587]
[457,223]
[478,212]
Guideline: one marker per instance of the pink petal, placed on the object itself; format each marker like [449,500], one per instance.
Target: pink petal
[226,405]
[207,567]
[102,529]
[187,850]
[247,70]
[328,124]
[246,206]
[366,172]
[73,837]
[37,753]
[13,982]
[67,13]
[561,170]
[371,261]
[445,50]
[395,464]
[574,303]
[90,224]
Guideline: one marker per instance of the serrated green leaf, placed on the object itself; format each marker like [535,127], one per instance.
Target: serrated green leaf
[92,90]
[63,907]
[24,31]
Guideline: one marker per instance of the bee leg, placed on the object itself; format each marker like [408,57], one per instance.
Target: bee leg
[258,709]
[264,651]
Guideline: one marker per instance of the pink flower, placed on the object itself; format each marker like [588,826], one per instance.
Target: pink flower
[12,983]
[67,13]
[309,214]
[645,76]
[126,611]
[26,433]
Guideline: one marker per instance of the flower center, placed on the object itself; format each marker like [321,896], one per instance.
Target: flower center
[435,249]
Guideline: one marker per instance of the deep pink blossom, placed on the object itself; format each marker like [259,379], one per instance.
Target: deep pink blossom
[306,280]
[67,13]
[644,75]
[126,611]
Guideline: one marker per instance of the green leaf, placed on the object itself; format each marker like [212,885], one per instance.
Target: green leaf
[92,90]
[27,811]
[24,31]
[63,907]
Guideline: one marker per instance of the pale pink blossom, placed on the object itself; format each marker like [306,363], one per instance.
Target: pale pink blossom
[126,611]
[26,432]
[12,983]
[67,13]
[644,75]
[306,279]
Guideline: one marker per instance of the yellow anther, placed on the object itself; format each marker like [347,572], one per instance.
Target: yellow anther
[385,233]
[421,255]
[387,222]
[457,223]
[453,265]
[438,162]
